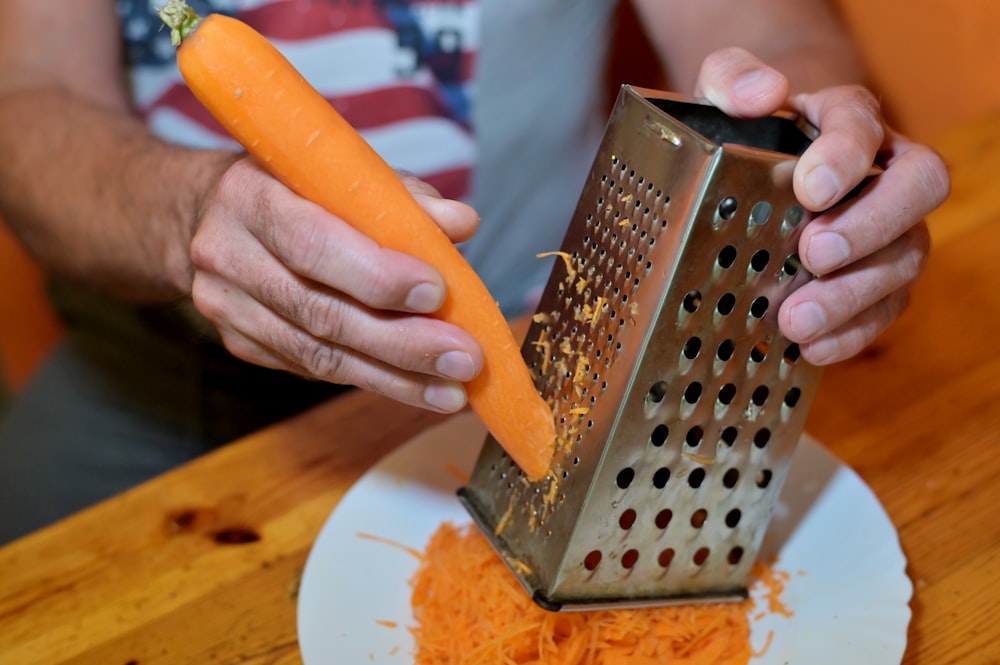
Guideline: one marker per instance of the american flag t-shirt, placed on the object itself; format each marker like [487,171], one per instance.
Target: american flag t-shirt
[400,71]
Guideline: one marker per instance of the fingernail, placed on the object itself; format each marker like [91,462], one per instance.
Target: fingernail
[456,365]
[807,320]
[823,351]
[822,186]
[425,297]
[447,397]
[827,251]
[756,83]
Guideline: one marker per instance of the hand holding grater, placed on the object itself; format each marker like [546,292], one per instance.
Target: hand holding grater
[677,400]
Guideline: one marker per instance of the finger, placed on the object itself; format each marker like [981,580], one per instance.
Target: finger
[913,185]
[312,243]
[855,335]
[818,308]
[851,134]
[458,220]
[412,343]
[741,84]
[365,373]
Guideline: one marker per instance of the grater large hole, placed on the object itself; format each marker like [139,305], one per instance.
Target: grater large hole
[794,216]
[792,265]
[692,348]
[657,392]
[701,556]
[693,393]
[733,518]
[760,213]
[592,560]
[792,397]
[692,301]
[727,208]
[659,435]
[792,354]
[698,518]
[731,477]
[726,394]
[727,257]
[760,395]
[729,435]
[726,304]
[758,353]
[630,558]
[758,308]
[627,519]
[660,477]
[763,478]
[625,477]
[665,558]
[725,350]
[663,518]
[696,478]
[735,555]
[694,436]
[762,437]
[760,260]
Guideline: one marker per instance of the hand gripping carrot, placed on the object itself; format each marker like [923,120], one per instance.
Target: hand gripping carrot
[270,109]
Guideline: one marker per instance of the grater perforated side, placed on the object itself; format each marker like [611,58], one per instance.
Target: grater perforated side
[678,401]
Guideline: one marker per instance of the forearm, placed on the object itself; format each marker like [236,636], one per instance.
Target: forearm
[96,198]
[804,39]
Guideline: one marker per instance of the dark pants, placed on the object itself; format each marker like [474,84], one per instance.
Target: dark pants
[121,401]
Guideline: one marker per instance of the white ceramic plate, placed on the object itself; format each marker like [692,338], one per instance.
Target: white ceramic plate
[848,588]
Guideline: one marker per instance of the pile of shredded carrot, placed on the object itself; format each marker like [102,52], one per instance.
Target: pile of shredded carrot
[470,610]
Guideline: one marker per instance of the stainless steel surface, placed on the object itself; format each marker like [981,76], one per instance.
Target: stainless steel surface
[678,400]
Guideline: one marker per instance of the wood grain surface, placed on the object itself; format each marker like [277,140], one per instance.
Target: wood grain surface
[202,565]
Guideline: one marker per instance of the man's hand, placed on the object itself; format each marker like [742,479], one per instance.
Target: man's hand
[292,287]
[867,252]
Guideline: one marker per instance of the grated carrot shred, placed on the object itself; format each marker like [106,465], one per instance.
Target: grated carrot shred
[470,610]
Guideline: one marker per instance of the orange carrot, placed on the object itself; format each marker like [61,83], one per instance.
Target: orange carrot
[470,610]
[270,109]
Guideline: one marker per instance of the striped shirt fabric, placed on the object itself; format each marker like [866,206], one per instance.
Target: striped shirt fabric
[400,72]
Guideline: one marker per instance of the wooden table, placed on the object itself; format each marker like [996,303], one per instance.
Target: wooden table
[202,564]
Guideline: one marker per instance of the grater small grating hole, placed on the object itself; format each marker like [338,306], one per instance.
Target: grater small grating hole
[698,518]
[592,560]
[733,518]
[665,558]
[663,518]
[729,435]
[760,213]
[762,437]
[763,478]
[727,208]
[694,436]
[760,395]
[625,477]
[726,304]
[760,260]
[727,257]
[726,394]
[792,397]
[627,519]
[692,301]
[661,477]
[725,350]
[701,556]
[758,308]
[731,477]
[659,435]
[630,558]
[735,555]
[696,478]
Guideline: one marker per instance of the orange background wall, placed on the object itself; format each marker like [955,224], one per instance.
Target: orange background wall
[935,63]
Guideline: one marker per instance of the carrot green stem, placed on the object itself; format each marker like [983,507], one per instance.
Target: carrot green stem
[181,19]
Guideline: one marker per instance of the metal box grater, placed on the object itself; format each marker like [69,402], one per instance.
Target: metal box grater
[678,401]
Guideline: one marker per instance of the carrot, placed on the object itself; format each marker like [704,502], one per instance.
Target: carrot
[470,610]
[270,109]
